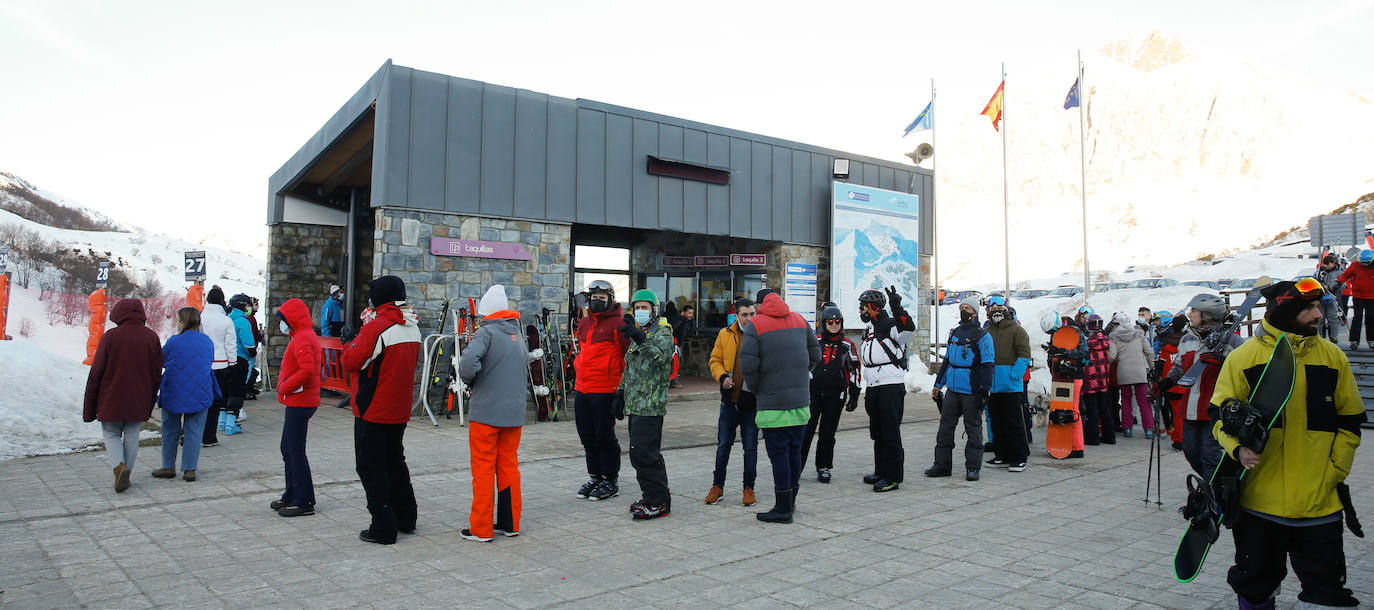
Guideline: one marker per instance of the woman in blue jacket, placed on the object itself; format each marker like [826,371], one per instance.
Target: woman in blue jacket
[188,389]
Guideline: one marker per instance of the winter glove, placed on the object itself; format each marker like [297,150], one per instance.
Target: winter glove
[618,404]
[853,399]
[1210,358]
[252,352]
[1166,384]
[632,330]
[982,400]
[893,299]
[348,333]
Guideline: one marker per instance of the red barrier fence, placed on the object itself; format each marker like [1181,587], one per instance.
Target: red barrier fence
[332,375]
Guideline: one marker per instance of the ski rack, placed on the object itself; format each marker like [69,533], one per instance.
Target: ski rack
[431,348]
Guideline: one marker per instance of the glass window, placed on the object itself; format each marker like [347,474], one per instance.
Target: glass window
[682,290]
[716,296]
[599,257]
[748,285]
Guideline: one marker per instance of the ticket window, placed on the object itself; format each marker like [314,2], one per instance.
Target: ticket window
[717,293]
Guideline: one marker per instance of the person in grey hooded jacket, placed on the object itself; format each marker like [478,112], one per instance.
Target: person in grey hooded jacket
[494,364]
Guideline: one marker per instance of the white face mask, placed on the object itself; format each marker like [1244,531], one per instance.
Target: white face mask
[284,327]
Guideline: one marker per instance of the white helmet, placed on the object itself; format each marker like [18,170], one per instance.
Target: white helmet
[1050,321]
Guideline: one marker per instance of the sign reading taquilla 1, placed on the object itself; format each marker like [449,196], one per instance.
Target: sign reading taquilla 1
[443,246]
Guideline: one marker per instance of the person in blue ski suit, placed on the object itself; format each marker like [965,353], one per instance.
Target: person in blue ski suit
[967,370]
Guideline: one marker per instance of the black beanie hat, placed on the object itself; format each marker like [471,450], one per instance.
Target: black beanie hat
[215,296]
[763,293]
[387,289]
[1283,303]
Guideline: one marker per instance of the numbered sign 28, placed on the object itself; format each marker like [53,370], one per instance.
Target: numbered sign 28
[195,266]
[102,275]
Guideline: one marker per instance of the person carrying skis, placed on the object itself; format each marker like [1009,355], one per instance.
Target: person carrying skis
[597,369]
[1360,280]
[882,354]
[1098,427]
[1013,357]
[834,385]
[643,395]
[1205,313]
[1132,357]
[737,406]
[381,361]
[1333,316]
[776,355]
[967,369]
[494,363]
[1293,496]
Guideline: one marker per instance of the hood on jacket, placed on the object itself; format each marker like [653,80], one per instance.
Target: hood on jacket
[128,310]
[773,306]
[1124,333]
[296,313]
[385,289]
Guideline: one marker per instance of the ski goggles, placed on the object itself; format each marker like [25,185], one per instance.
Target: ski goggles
[1085,309]
[997,301]
[1309,288]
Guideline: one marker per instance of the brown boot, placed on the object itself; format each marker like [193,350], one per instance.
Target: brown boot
[189,475]
[121,475]
[714,495]
[748,498]
[164,473]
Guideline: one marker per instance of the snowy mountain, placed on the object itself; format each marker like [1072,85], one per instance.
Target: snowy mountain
[1189,152]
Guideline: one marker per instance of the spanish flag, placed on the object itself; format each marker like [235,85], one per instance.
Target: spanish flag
[994,108]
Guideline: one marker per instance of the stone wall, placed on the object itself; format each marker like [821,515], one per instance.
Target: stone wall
[303,260]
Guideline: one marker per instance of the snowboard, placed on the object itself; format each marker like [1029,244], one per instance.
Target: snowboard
[1268,396]
[1059,437]
[1217,340]
[538,389]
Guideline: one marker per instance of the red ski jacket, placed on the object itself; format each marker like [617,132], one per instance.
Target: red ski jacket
[382,361]
[600,352]
[1360,280]
[298,381]
[1099,371]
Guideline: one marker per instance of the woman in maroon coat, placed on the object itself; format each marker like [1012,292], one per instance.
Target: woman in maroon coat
[122,387]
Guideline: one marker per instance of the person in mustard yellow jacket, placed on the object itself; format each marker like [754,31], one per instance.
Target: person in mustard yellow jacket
[1289,504]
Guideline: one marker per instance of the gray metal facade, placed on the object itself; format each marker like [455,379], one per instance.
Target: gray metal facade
[456,145]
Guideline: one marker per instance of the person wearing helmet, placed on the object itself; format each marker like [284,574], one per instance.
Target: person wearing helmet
[1290,502]
[737,405]
[1081,318]
[776,356]
[1205,313]
[598,367]
[1011,344]
[1098,426]
[1132,356]
[1159,325]
[834,385]
[643,395]
[967,369]
[883,356]
[1360,279]
[246,352]
[1333,315]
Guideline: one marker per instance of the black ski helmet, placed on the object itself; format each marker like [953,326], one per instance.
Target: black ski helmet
[597,286]
[240,302]
[831,313]
[876,297]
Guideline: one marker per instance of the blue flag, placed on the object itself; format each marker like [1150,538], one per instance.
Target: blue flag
[925,120]
[1071,100]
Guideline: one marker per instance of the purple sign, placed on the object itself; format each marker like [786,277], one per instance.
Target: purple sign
[758,260]
[677,261]
[711,261]
[443,246]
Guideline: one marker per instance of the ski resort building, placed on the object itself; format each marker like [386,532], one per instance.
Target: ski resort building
[453,185]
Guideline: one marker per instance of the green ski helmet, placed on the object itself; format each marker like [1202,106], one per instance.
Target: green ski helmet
[644,294]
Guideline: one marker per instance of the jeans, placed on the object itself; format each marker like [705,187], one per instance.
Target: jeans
[884,407]
[1201,449]
[379,455]
[741,417]
[596,429]
[300,489]
[784,453]
[121,441]
[1008,440]
[646,438]
[825,414]
[174,426]
[970,408]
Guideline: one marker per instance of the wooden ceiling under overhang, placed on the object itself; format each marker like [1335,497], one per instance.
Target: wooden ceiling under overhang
[347,163]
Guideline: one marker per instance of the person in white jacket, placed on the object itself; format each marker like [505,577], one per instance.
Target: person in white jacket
[215,323]
[884,363]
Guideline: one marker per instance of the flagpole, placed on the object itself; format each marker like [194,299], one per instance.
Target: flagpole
[1006,199]
[1083,165]
[934,225]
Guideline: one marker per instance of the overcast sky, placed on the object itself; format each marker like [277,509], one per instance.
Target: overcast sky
[171,115]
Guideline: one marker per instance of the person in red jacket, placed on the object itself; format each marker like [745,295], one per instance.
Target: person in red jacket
[599,364]
[1098,427]
[298,389]
[381,360]
[121,388]
[1360,280]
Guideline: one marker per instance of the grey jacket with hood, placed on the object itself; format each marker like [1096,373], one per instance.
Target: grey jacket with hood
[496,365]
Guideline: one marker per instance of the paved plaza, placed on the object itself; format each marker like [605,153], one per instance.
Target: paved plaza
[1062,534]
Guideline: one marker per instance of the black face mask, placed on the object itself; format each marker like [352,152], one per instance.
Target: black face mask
[597,305]
[965,316]
[863,315]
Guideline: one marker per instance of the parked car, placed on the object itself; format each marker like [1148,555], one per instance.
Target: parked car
[1066,291]
[1301,277]
[1204,284]
[1151,283]
[984,300]
[1226,282]
[1028,294]
[1108,286]
[1244,284]
[954,297]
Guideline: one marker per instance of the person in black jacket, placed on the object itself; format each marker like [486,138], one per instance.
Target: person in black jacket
[834,384]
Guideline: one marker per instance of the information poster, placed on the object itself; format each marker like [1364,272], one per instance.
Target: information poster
[799,289]
[874,234]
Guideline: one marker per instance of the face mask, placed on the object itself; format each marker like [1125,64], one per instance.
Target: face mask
[864,315]
[642,316]
[996,317]
[248,310]
[283,327]
[597,305]
[730,319]
[965,316]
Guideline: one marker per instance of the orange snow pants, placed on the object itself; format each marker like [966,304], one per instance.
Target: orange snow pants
[495,472]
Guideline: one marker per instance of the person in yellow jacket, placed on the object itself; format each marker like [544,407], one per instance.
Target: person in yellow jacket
[737,406]
[1289,506]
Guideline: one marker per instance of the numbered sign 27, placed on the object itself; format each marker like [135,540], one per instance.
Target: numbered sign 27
[195,266]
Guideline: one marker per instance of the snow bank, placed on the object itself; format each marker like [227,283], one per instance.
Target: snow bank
[40,407]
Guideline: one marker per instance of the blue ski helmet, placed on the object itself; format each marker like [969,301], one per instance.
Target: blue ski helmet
[1165,318]
[1366,257]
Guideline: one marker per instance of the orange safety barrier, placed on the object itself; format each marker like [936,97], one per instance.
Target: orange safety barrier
[97,324]
[4,303]
[332,375]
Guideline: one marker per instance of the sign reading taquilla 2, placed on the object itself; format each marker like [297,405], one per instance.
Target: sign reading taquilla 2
[443,246]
